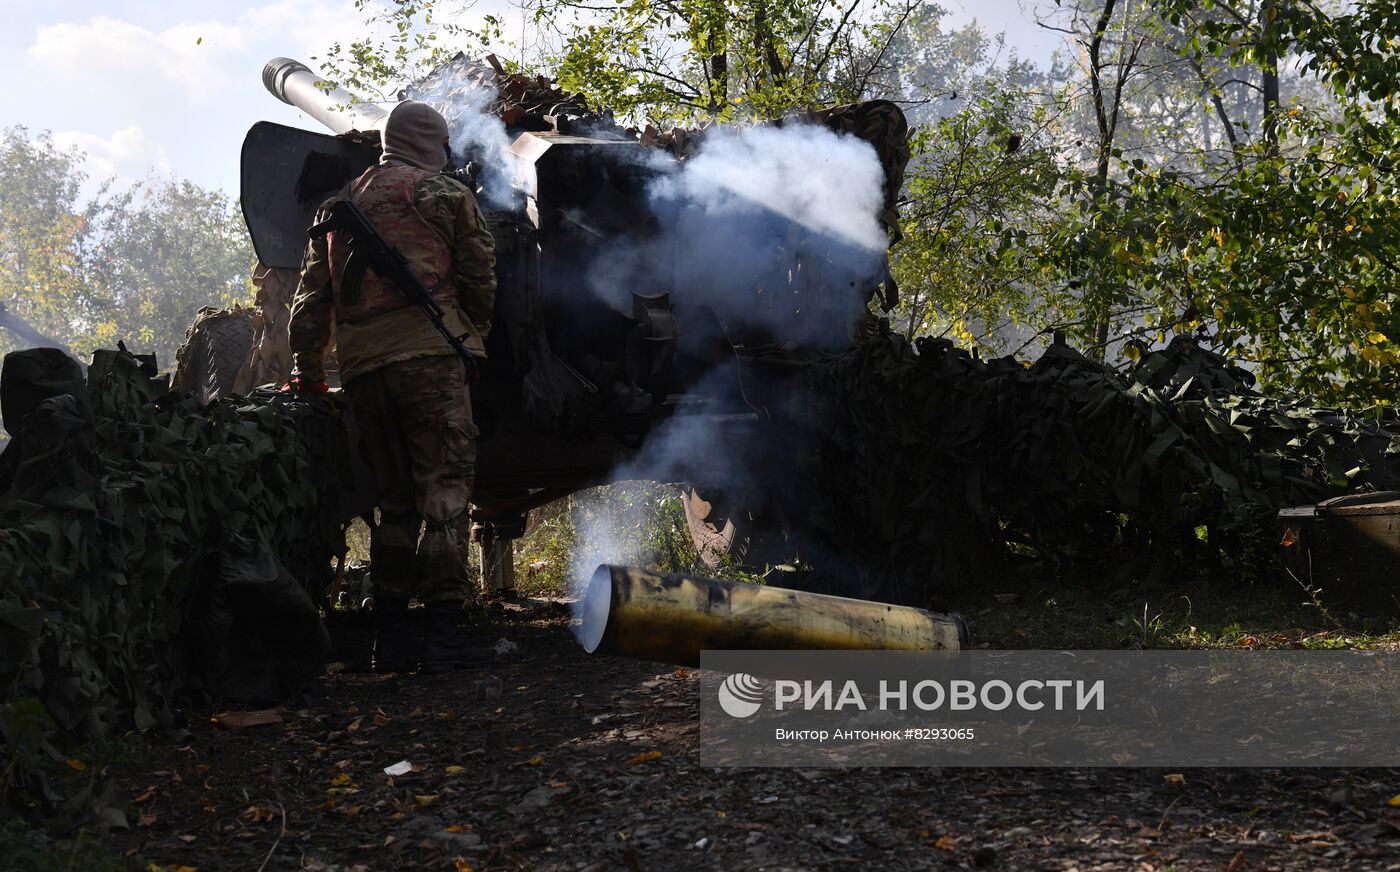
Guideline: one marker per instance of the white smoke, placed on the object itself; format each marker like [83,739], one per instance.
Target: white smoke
[611,526]
[773,228]
[479,135]
[828,183]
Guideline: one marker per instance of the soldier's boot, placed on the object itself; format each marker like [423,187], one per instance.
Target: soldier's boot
[396,645]
[447,645]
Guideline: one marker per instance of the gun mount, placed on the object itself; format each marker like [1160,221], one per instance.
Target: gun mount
[606,323]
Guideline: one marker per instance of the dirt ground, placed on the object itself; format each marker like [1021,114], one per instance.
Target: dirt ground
[553,760]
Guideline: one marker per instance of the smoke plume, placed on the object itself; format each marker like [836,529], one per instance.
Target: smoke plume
[828,183]
[772,228]
[476,134]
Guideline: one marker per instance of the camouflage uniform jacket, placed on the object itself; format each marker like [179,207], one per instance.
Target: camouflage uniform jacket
[439,228]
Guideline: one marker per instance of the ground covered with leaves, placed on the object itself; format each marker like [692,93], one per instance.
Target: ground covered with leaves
[555,760]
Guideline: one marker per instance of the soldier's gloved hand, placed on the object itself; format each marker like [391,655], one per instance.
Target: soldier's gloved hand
[301,385]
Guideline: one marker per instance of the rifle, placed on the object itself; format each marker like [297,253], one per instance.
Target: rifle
[386,260]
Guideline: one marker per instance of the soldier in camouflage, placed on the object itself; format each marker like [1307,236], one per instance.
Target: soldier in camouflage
[407,388]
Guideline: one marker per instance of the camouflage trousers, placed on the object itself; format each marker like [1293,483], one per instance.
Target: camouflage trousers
[416,431]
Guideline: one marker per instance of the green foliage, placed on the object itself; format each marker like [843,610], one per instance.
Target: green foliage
[41,228]
[975,179]
[132,265]
[403,42]
[681,61]
[636,523]
[159,252]
[1288,263]
[1284,260]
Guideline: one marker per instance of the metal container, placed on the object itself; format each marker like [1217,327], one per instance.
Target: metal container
[1346,549]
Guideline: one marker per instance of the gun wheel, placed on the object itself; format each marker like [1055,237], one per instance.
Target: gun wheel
[726,532]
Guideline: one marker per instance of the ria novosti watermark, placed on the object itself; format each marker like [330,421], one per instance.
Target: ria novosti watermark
[1050,708]
[740,695]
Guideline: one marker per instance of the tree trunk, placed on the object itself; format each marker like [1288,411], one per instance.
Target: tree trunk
[1269,76]
[719,67]
[1105,150]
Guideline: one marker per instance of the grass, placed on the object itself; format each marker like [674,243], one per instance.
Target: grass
[639,523]
[1203,611]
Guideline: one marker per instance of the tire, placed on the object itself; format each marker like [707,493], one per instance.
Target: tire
[214,355]
[725,531]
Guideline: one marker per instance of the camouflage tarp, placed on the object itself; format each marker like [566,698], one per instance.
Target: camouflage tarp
[126,516]
[930,457]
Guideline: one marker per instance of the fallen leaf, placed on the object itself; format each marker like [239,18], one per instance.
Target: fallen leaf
[340,779]
[75,763]
[1320,838]
[461,865]
[1394,801]
[242,720]
[1237,863]
[456,828]
[257,814]
[538,759]
[1174,778]
[425,801]
[644,757]
[456,770]
[145,820]
[380,719]
[145,796]
[354,725]
[188,840]
[946,843]
[449,715]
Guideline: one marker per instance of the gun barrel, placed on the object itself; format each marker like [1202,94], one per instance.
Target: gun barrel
[294,83]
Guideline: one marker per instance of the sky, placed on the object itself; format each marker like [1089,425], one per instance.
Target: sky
[164,87]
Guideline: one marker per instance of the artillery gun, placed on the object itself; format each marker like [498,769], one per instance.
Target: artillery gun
[581,369]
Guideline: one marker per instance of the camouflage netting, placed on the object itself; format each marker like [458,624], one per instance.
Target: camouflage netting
[934,459]
[150,550]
